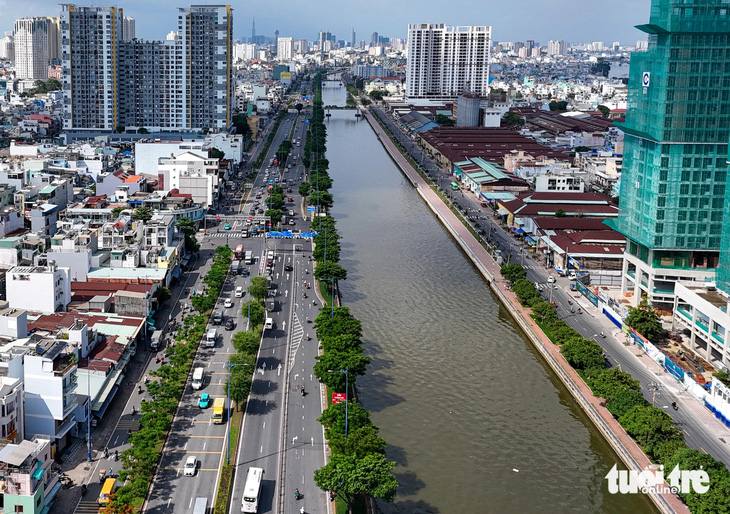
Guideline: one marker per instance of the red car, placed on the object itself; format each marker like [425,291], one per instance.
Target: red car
[290,199]
[484,204]
[258,197]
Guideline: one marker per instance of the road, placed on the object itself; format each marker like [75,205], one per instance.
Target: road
[700,432]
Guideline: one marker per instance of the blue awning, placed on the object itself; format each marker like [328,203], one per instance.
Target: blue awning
[529,240]
[519,231]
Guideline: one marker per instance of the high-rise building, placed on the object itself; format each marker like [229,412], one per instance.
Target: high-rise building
[374,39]
[90,38]
[7,48]
[352,37]
[54,40]
[557,48]
[285,49]
[31,48]
[128,28]
[253,31]
[301,46]
[674,179]
[182,83]
[444,61]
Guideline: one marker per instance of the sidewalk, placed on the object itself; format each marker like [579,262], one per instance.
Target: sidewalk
[627,449]
[118,417]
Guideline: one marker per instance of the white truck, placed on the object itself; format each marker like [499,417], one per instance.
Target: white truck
[210,337]
[198,375]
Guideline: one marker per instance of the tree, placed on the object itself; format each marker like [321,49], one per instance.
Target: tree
[333,418]
[321,198]
[558,105]
[582,353]
[360,442]
[247,342]
[116,211]
[543,310]
[604,110]
[513,272]
[143,131]
[258,313]
[240,378]
[274,214]
[560,213]
[304,188]
[526,292]
[352,360]
[330,271]
[376,95]
[259,287]
[624,401]
[444,120]
[337,322]
[119,129]
[142,214]
[645,320]
[351,478]
[512,119]
[650,427]
[214,153]
[365,101]
[299,107]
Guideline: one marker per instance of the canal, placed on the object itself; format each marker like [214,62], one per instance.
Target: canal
[473,417]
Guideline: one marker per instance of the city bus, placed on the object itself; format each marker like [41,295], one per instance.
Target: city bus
[252,490]
[238,253]
[454,186]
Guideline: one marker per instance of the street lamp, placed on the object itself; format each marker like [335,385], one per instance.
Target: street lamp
[88,394]
[347,384]
[229,366]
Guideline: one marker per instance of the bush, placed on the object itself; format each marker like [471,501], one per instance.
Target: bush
[582,353]
[650,427]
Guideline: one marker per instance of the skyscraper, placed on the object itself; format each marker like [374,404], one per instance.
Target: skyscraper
[352,37]
[253,31]
[128,28]
[31,48]
[90,38]
[285,49]
[182,83]
[677,127]
[444,61]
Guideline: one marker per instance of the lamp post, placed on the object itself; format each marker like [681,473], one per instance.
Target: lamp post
[88,416]
[347,391]
[229,366]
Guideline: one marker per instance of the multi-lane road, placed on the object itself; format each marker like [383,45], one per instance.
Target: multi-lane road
[280,430]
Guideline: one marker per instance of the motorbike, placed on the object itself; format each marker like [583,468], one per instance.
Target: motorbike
[139,389]
[297,494]
[674,406]
[308,338]
[304,393]
[580,311]
[83,489]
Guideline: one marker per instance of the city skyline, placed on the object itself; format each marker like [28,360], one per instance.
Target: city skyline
[544,22]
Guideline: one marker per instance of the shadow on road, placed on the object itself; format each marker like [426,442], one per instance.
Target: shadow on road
[258,407]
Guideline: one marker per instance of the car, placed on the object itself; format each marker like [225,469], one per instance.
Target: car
[204,401]
[239,292]
[228,303]
[227,226]
[290,199]
[229,324]
[191,465]
[551,280]
[289,190]
[258,196]
[483,204]
[288,267]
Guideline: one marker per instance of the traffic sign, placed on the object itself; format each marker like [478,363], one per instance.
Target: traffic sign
[338,398]
[311,208]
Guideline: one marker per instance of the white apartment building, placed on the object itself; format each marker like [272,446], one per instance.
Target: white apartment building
[191,174]
[128,28]
[39,288]
[31,48]
[7,49]
[285,48]
[12,410]
[444,61]
[557,48]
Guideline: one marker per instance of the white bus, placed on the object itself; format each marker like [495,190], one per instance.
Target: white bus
[252,490]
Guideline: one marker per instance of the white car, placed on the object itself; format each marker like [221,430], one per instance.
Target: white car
[239,292]
[191,465]
[228,303]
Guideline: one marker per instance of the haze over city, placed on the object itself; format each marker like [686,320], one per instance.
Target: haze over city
[571,20]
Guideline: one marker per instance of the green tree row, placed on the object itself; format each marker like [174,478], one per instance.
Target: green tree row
[652,428]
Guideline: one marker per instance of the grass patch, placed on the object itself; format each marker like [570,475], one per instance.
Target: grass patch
[325,289]
[359,507]
[546,331]
[226,481]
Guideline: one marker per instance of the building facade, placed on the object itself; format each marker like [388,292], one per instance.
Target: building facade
[284,48]
[112,80]
[675,150]
[31,48]
[444,61]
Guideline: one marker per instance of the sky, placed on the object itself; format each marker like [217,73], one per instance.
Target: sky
[576,21]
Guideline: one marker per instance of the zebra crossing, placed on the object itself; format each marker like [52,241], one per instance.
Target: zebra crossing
[297,334]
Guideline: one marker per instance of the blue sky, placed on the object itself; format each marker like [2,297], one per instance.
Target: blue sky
[513,20]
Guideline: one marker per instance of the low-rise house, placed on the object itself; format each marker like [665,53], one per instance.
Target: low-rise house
[29,483]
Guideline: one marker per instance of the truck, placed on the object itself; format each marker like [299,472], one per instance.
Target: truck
[210,338]
[249,257]
[238,252]
[235,267]
[218,405]
[198,375]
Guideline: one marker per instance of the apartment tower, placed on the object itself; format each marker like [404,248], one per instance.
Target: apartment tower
[673,187]
[31,48]
[444,61]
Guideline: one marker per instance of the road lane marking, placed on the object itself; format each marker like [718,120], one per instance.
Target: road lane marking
[192,451]
[199,469]
[701,448]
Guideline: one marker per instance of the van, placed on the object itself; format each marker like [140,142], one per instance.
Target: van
[217,317]
[201,506]
[198,375]
[271,305]
[109,487]
[210,338]
[249,257]
[268,324]
[235,265]
[155,341]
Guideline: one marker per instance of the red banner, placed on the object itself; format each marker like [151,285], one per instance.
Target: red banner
[338,398]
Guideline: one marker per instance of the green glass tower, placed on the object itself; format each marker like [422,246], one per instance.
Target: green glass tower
[677,128]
